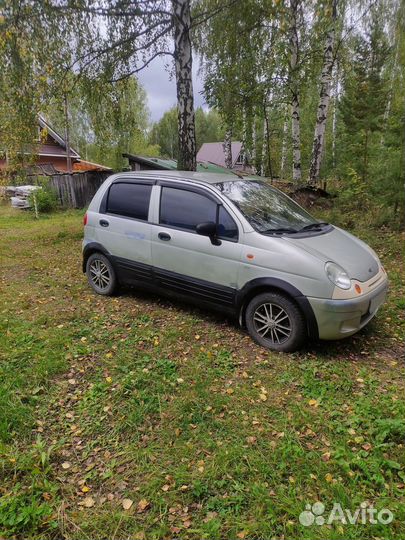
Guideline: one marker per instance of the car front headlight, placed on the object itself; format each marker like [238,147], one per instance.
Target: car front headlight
[337,275]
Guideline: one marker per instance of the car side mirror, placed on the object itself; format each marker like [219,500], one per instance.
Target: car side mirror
[209,228]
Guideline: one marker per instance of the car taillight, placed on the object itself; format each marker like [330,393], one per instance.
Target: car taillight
[85,219]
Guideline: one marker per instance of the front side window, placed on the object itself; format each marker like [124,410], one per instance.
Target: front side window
[266,208]
[186,209]
[129,200]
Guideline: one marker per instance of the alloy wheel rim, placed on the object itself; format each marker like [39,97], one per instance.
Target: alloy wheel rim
[100,274]
[272,323]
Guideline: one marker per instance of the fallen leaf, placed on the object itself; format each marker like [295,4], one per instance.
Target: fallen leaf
[89,502]
[127,503]
[242,534]
[263,397]
[313,403]
[85,489]
[326,456]
[328,478]
[143,505]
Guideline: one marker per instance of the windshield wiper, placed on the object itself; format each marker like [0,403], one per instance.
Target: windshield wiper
[280,230]
[313,226]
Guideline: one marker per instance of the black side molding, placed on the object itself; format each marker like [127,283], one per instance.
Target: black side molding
[248,290]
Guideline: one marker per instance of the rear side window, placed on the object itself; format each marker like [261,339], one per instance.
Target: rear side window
[186,209]
[129,200]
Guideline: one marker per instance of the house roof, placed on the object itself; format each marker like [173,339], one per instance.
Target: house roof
[214,153]
[51,150]
[164,164]
[83,165]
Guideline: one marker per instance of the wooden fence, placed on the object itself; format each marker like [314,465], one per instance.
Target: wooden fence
[76,190]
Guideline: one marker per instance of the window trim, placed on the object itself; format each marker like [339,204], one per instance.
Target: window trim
[199,191]
[104,202]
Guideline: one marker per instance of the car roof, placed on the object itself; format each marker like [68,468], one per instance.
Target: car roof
[201,177]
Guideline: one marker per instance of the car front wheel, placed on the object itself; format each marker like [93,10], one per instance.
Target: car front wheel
[275,322]
[100,274]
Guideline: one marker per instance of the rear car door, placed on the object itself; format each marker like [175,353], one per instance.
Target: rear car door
[124,230]
[186,261]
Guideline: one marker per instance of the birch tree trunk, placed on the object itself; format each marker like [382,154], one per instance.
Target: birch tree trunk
[67,134]
[227,146]
[267,121]
[264,146]
[184,85]
[284,147]
[295,97]
[324,100]
[334,117]
[244,138]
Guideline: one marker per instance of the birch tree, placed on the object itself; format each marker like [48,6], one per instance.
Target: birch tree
[324,99]
[227,146]
[295,91]
[184,85]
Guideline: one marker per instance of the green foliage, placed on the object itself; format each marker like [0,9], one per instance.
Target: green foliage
[44,199]
[24,511]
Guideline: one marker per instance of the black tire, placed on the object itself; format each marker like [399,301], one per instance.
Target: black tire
[262,314]
[101,274]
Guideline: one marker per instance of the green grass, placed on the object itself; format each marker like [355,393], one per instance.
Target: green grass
[144,399]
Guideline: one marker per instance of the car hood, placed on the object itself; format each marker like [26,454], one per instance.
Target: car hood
[355,256]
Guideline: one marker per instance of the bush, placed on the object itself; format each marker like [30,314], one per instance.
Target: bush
[46,200]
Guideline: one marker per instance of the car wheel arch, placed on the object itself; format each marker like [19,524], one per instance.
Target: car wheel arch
[89,249]
[261,285]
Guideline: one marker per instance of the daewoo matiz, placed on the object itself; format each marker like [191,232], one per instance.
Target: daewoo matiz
[237,244]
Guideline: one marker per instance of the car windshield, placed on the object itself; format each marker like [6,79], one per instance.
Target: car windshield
[266,208]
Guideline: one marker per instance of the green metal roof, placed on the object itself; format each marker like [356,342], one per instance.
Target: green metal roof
[171,164]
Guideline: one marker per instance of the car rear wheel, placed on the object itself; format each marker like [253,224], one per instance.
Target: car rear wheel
[100,274]
[275,322]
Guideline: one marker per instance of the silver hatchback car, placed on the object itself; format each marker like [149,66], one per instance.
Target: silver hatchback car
[237,244]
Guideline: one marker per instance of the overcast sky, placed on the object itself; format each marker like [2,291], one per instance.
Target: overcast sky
[161,91]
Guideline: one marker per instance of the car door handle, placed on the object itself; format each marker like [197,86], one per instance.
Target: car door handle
[104,223]
[164,236]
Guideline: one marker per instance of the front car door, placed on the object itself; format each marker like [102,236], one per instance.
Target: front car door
[187,262]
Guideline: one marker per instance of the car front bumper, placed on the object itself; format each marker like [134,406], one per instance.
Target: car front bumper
[338,319]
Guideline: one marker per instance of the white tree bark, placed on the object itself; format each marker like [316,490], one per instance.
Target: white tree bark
[264,147]
[324,99]
[295,97]
[227,146]
[67,134]
[334,116]
[184,85]
[244,138]
[284,146]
